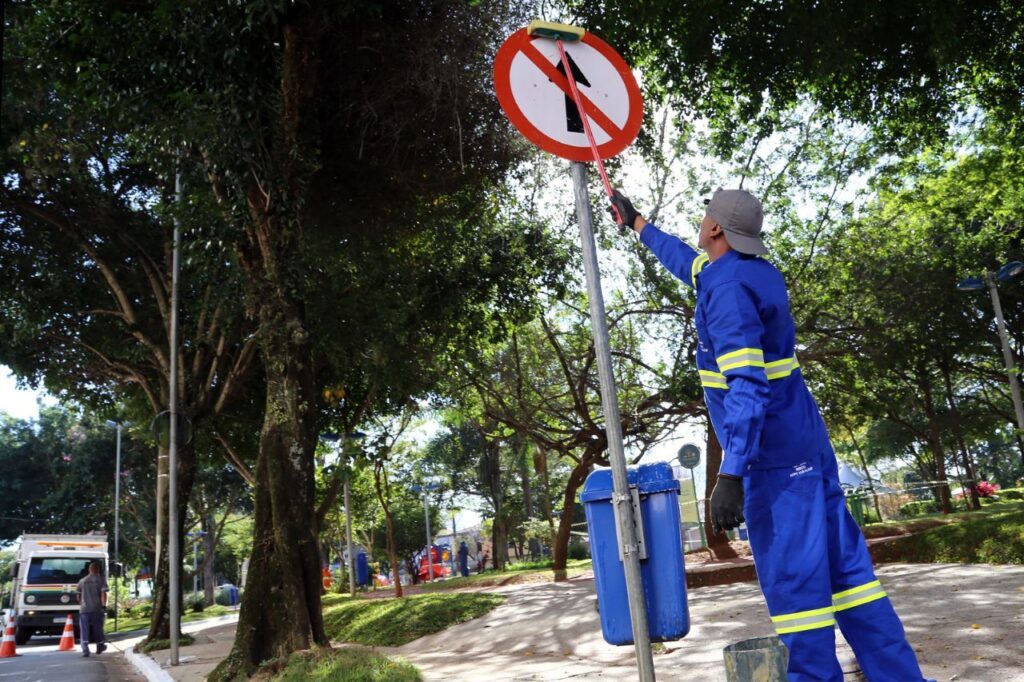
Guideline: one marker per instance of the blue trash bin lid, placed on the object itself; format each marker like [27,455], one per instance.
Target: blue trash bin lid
[655,477]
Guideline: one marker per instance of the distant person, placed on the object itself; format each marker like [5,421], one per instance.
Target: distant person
[92,596]
[463,559]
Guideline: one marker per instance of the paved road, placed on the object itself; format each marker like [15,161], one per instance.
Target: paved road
[965,622]
[39,661]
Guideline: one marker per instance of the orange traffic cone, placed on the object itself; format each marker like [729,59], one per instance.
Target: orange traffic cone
[67,640]
[7,645]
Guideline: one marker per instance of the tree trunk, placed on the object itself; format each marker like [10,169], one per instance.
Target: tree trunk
[958,431]
[524,472]
[864,463]
[540,463]
[209,567]
[935,443]
[160,620]
[561,554]
[718,543]
[281,604]
[383,490]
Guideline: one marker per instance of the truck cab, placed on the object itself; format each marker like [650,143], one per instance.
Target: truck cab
[46,574]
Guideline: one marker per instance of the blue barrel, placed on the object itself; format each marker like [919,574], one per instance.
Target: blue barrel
[663,573]
[362,570]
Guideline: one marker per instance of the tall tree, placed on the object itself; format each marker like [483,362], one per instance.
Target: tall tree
[902,68]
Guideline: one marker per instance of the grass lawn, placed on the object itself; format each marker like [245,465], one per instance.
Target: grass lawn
[125,624]
[926,521]
[393,622]
[530,573]
[992,535]
[343,665]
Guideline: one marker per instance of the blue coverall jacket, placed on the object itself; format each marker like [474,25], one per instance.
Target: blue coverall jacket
[811,559]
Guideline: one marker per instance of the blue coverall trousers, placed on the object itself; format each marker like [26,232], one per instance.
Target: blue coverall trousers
[815,572]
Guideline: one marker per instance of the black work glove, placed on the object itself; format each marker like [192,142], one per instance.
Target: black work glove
[626,212]
[727,503]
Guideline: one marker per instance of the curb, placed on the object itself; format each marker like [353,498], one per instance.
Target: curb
[147,667]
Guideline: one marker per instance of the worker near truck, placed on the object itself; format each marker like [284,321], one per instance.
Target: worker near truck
[779,470]
[92,596]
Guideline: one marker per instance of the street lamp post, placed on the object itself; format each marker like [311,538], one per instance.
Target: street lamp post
[353,437]
[195,559]
[173,547]
[117,518]
[1005,273]
[426,515]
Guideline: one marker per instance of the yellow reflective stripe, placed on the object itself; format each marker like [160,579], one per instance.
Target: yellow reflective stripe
[777,369]
[809,626]
[744,357]
[856,596]
[804,620]
[855,590]
[698,264]
[863,600]
[801,614]
[742,351]
[710,379]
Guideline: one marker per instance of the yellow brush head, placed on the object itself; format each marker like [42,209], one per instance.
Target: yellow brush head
[549,29]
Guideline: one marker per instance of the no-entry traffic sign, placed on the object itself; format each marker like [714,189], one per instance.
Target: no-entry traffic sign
[534,93]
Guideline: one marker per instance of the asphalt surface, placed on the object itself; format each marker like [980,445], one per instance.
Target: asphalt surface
[39,661]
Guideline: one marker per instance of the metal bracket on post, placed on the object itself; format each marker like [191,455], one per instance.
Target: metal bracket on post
[638,523]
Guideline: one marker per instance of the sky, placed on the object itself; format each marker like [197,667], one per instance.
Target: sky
[20,403]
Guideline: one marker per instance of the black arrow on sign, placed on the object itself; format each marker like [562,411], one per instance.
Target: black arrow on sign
[573,121]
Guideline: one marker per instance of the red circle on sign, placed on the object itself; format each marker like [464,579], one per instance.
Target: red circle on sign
[620,138]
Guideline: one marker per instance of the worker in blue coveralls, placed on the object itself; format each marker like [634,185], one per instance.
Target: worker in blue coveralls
[779,471]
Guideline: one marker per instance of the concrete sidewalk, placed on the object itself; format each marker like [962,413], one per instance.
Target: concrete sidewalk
[965,621]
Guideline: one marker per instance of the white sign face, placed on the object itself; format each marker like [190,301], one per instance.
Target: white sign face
[535,94]
[548,108]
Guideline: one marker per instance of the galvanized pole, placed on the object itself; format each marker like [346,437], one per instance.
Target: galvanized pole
[173,556]
[348,540]
[426,516]
[117,523]
[1011,370]
[696,505]
[609,401]
[451,550]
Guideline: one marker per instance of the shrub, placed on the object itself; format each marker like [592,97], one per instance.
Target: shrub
[986,489]
[143,610]
[196,602]
[578,551]
[1011,495]
[918,508]
[222,598]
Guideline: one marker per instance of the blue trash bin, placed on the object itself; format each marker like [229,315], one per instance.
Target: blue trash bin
[362,570]
[663,572]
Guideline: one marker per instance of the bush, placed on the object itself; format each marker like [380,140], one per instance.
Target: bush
[143,610]
[578,552]
[995,539]
[1011,495]
[223,598]
[918,508]
[196,602]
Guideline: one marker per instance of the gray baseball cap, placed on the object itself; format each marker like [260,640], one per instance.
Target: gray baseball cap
[740,215]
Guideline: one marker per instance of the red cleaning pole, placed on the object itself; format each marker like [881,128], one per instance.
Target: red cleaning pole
[586,127]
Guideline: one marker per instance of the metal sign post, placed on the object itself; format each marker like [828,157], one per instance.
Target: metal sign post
[538,72]
[689,457]
[628,544]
